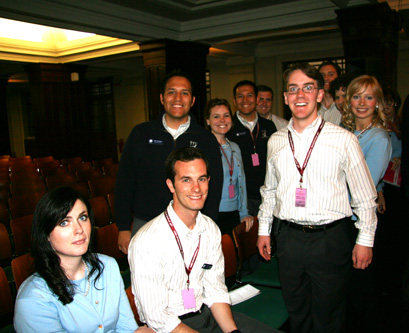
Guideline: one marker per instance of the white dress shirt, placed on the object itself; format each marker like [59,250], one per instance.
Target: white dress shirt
[278,121]
[248,124]
[336,165]
[331,114]
[158,274]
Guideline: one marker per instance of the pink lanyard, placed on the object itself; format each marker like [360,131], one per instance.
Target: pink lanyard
[192,262]
[231,164]
[307,158]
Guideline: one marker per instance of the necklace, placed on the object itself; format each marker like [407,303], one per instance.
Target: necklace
[359,135]
[87,273]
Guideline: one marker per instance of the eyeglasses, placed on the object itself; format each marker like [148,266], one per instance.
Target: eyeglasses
[309,89]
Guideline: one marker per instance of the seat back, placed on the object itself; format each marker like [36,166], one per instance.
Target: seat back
[52,169]
[6,251]
[110,170]
[6,299]
[106,241]
[81,188]
[111,203]
[104,162]
[22,268]
[229,253]
[4,214]
[100,187]
[101,211]
[88,174]
[40,161]
[21,229]
[63,179]
[24,204]
[27,187]
[246,242]
[28,175]
[72,160]
[131,300]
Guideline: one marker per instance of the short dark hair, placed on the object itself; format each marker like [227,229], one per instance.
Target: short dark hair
[185,154]
[330,63]
[50,210]
[216,102]
[264,88]
[174,73]
[244,83]
[390,94]
[307,69]
[341,81]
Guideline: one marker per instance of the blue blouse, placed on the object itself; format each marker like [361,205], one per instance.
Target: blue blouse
[239,201]
[105,308]
[377,149]
[396,145]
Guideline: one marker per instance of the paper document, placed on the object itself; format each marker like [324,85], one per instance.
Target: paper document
[243,294]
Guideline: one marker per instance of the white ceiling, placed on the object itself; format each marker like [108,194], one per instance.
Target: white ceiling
[236,26]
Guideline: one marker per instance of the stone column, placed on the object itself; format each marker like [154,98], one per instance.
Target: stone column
[161,57]
[370,39]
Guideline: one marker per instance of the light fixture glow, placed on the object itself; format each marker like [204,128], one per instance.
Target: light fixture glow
[34,32]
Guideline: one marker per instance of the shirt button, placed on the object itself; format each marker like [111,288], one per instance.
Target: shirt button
[96,302]
[100,326]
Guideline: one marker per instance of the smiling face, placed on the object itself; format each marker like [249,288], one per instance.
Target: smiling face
[363,104]
[71,236]
[245,100]
[219,120]
[340,96]
[177,100]
[190,187]
[303,105]
[329,73]
[265,102]
[389,110]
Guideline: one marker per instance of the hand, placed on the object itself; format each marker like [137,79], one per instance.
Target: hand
[264,247]
[396,163]
[361,256]
[249,220]
[124,238]
[381,204]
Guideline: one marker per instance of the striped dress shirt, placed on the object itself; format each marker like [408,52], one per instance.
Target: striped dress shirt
[332,114]
[158,274]
[336,165]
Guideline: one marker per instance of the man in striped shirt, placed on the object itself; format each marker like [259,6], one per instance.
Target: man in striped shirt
[176,260]
[310,168]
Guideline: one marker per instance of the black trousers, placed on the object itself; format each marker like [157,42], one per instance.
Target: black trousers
[314,271]
[205,323]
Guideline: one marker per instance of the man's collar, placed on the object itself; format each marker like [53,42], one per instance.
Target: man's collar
[181,129]
[314,124]
[245,123]
[180,227]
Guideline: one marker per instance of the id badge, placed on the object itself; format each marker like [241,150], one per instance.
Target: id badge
[254,158]
[189,300]
[300,197]
[231,191]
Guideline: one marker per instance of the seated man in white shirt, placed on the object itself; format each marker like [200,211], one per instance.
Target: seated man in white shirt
[176,261]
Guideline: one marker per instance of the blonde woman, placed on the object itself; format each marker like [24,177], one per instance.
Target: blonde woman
[364,116]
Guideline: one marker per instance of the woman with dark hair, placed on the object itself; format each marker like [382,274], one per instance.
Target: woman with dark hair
[72,289]
[233,204]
